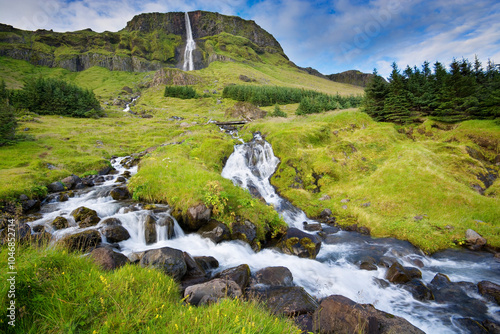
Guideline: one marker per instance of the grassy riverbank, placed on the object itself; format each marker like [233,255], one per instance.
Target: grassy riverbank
[413,183]
[57,292]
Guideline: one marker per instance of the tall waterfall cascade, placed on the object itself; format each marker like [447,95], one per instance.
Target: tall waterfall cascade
[190,47]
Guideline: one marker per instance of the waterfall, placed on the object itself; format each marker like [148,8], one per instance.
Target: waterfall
[250,167]
[190,46]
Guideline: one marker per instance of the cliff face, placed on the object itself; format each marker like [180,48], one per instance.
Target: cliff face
[148,42]
[352,77]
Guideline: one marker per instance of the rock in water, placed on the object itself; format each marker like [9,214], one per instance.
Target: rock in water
[150,230]
[85,217]
[120,193]
[302,244]
[169,260]
[274,276]
[83,241]
[338,314]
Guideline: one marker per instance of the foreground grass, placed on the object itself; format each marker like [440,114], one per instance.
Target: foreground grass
[346,155]
[58,292]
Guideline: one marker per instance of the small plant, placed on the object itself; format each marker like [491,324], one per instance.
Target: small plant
[215,197]
[278,112]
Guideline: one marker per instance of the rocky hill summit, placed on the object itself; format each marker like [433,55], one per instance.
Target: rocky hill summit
[148,42]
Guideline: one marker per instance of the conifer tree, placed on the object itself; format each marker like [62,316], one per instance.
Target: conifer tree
[396,108]
[7,118]
[375,95]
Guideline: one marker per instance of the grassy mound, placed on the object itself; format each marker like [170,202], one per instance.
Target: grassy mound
[389,177]
[58,292]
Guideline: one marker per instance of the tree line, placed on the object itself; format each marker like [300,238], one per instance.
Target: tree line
[465,91]
[310,101]
[48,96]
[7,117]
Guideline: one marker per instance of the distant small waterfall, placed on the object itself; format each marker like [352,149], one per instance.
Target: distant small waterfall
[190,46]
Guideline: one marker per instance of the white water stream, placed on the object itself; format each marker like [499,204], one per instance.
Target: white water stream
[335,271]
[190,46]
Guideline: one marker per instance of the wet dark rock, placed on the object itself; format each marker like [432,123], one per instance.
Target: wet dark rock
[111,222]
[274,276]
[207,262]
[491,327]
[285,300]
[490,290]
[88,181]
[473,240]
[195,218]
[71,181]
[193,268]
[83,241]
[368,263]
[245,231]
[169,260]
[108,259]
[338,314]
[63,197]
[150,230]
[105,170]
[239,274]
[299,243]
[325,213]
[381,282]
[419,290]
[471,326]
[120,193]
[211,291]
[168,222]
[38,228]
[23,197]
[215,231]
[115,233]
[126,174]
[312,227]
[397,274]
[31,205]
[59,223]
[55,187]
[413,272]
[440,281]
[85,217]
[120,179]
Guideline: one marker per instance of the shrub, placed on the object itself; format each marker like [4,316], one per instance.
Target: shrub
[181,92]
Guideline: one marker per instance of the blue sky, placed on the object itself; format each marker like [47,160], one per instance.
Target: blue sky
[330,36]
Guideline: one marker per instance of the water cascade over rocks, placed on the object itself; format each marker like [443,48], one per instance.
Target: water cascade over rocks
[435,297]
[190,46]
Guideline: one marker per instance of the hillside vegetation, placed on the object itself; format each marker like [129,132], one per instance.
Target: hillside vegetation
[426,171]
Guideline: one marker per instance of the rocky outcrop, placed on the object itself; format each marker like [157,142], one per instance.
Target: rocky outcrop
[245,110]
[289,301]
[127,50]
[352,77]
[195,217]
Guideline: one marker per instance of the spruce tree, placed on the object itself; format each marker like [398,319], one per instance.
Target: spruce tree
[7,118]
[375,95]
[397,104]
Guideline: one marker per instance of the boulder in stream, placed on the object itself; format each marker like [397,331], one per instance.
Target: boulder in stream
[245,231]
[215,231]
[490,290]
[473,240]
[150,230]
[71,181]
[338,314]
[274,276]
[302,244]
[120,193]
[59,223]
[85,217]
[115,233]
[169,260]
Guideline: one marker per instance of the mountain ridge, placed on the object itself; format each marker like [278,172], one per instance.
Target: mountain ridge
[148,42]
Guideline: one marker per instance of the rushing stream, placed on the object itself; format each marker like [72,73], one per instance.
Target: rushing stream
[336,268]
